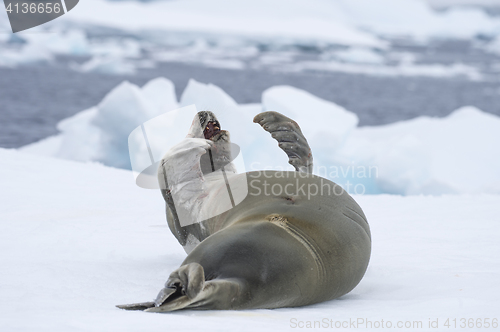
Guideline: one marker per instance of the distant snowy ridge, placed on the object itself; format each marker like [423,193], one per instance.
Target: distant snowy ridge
[124,56]
[451,155]
[346,22]
[351,36]
[296,21]
[337,21]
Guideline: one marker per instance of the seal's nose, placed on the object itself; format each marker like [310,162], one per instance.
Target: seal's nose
[211,129]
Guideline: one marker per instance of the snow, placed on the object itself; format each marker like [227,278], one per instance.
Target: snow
[432,156]
[79,238]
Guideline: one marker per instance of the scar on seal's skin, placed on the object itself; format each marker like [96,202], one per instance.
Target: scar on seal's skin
[276,218]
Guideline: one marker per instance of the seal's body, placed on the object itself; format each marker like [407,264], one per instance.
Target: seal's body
[296,239]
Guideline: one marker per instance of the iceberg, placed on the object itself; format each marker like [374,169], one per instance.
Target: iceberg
[100,133]
[431,156]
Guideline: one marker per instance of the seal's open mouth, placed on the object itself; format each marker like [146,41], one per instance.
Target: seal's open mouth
[212,129]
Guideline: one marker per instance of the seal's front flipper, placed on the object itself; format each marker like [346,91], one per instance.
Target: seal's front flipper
[136,306]
[181,289]
[187,289]
[290,139]
[174,295]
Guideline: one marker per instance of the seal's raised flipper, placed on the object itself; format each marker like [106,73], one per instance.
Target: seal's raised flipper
[290,139]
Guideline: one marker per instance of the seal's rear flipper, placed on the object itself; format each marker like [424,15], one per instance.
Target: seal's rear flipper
[290,139]
[136,306]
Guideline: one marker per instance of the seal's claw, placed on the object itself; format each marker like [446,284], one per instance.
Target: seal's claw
[163,295]
[290,139]
[176,304]
[137,306]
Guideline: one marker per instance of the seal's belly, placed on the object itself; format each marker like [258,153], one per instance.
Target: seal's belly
[314,214]
[323,238]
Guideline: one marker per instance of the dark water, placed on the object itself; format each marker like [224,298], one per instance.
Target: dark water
[34,99]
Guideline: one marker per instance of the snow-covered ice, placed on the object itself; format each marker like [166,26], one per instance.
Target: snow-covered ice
[79,238]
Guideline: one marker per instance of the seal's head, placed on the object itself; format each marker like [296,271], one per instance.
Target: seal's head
[205,125]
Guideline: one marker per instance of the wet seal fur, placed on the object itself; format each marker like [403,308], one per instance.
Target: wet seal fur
[273,250]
